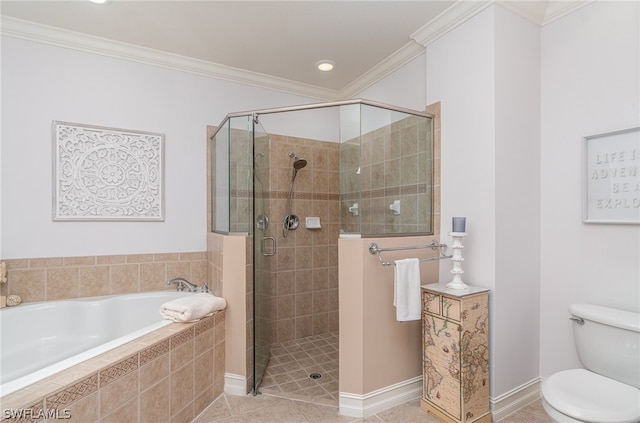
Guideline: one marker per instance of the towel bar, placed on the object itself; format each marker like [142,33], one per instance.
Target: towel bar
[374,249]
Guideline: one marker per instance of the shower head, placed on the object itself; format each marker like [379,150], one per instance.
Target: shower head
[299,163]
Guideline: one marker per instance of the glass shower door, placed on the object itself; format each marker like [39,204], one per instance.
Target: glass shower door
[264,250]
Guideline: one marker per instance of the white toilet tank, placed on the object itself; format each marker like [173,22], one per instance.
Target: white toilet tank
[608,343]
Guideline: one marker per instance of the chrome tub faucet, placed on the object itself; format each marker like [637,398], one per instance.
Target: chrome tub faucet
[181,283]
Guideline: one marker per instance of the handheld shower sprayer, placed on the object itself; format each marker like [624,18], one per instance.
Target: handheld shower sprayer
[291,221]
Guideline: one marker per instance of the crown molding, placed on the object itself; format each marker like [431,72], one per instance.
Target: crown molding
[521,11]
[30,31]
[458,13]
[559,9]
[462,11]
[554,10]
[393,62]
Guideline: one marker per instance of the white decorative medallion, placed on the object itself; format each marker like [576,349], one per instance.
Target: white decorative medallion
[106,174]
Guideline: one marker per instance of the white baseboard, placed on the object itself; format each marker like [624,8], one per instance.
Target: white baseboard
[514,400]
[365,405]
[235,384]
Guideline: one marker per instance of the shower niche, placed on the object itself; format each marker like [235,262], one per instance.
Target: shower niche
[355,168]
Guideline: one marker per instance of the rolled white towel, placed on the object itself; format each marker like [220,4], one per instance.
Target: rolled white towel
[192,308]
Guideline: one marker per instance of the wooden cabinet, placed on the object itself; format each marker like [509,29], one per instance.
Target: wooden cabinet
[455,329]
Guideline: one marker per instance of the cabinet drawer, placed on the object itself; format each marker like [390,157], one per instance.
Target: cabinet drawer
[451,308]
[439,305]
[431,303]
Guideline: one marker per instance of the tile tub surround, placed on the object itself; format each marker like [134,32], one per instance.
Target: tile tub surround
[56,278]
[171,374]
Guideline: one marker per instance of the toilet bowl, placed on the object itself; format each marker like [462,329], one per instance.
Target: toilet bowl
[607,389]
[579,395]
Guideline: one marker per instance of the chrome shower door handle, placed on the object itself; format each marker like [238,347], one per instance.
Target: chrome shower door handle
[266,251]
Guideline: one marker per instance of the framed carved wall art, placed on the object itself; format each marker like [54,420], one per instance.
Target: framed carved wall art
[107,174]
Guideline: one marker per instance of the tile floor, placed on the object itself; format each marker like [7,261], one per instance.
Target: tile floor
[289,395]
[292,363]
[271,409]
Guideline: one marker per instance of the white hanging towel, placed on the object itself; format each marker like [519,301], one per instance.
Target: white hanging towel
[406,289]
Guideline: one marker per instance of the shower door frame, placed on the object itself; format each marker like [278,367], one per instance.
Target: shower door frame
[264,250]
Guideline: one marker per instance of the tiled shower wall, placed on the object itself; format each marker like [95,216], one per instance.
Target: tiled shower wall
[304,282]
[393,163]
[228,210]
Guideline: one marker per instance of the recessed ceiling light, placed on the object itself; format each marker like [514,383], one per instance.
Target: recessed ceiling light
[325,65]
[100,1]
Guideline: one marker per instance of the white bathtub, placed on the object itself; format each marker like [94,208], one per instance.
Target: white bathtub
[43,338]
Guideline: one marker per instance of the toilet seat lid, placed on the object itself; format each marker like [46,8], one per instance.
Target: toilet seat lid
[589,397]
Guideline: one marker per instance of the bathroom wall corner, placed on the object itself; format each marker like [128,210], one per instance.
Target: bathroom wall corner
[234,287]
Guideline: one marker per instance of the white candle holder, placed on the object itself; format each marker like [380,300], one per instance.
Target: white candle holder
[456,270]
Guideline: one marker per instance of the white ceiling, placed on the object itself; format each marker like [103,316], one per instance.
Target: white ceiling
[267,43]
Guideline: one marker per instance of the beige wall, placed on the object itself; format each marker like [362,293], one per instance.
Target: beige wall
[376,350]
[228,259]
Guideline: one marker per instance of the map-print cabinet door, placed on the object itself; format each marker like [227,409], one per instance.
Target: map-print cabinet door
[442,364]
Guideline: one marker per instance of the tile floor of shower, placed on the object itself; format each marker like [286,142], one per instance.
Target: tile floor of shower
[290,395]
[304,368]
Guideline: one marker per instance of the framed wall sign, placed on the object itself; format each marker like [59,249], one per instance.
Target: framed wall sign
[106,174]
[611,177]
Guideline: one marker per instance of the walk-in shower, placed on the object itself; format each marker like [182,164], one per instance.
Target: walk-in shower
[344,169]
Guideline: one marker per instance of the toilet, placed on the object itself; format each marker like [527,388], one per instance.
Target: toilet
[607,389]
